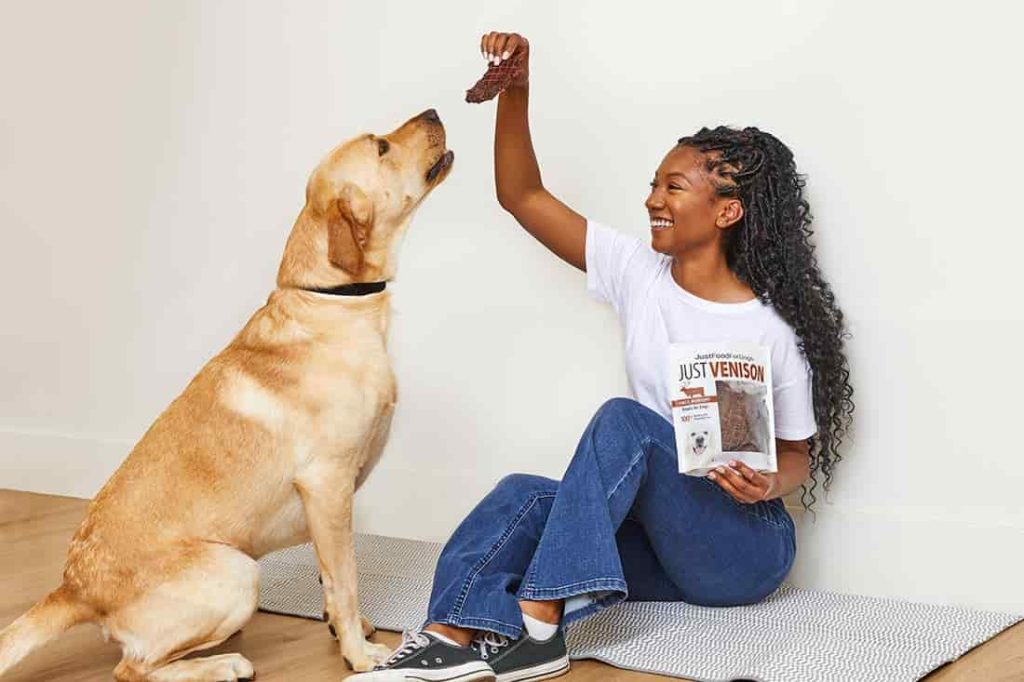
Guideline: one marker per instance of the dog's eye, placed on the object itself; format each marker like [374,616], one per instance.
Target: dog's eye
[382,147]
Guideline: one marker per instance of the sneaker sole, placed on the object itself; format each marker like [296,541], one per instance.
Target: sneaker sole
[544,671]
[468,672]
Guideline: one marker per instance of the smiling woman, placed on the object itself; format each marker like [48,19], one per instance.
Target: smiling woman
[728,261]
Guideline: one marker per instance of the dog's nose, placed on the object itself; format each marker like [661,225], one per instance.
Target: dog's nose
[431,116]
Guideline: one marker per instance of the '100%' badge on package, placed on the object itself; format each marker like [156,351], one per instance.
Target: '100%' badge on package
[721,396]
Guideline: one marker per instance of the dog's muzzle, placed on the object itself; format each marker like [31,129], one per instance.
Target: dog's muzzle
[442,163]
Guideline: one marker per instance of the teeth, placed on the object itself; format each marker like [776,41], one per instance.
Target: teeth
[660,222]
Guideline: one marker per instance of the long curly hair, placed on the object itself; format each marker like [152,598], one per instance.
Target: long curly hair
[769,249]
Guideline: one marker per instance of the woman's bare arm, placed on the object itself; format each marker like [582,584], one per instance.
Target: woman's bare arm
[516,172]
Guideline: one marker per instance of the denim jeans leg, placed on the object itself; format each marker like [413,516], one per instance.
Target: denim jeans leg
[622,522]
[715,550]
[577,554]
[482,564]
[646,578]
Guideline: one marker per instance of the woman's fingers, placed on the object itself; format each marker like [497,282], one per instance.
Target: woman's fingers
[738,480]
[492,47]
[509,48]
[727,486]
[515,43]
[764,482]
[488,43]
[755,477]
[500,48]
[496,47]
[737,484]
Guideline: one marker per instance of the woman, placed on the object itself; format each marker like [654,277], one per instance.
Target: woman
[729,260]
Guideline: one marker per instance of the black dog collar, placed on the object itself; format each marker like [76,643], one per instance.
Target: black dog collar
[356,289]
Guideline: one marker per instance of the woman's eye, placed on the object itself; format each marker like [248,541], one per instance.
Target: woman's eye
[674,187]
[382,147]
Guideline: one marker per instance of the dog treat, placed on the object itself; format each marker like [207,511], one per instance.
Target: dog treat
[734,411]
[496,79]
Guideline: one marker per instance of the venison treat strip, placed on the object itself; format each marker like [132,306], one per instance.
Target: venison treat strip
[495,79]
[733,415]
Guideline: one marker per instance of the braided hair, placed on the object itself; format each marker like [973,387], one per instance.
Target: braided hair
[769,250]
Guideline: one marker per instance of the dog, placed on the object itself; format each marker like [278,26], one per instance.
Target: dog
[700,443]
[264,448]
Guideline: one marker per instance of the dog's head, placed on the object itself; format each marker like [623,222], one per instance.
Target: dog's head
[699,441]
[360,199]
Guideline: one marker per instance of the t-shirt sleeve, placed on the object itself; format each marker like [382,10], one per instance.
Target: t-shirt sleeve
[617,265]
[791,395]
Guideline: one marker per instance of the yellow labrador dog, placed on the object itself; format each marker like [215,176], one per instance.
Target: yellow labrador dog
[264,448]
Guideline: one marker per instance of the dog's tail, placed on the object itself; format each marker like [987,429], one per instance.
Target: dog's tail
[57,612]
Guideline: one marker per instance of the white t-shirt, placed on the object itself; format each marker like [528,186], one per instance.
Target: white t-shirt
[655,312]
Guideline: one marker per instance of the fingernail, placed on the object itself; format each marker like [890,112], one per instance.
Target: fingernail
[506,54]
[711,475]
[732,463]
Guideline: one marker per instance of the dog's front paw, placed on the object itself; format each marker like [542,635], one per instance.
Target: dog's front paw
[371,655]
[377,652]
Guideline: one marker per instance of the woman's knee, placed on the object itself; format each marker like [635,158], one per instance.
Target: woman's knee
[524,485]
[509,497]
[626,413]
[622,427]
[620,407]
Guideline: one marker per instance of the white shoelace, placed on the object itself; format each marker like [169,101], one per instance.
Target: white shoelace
[491,641]
[411,641]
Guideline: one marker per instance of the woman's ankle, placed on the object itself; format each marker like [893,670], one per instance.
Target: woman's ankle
[460,636]
[544,611]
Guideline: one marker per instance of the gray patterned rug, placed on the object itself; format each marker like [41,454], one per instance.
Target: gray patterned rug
[793,636]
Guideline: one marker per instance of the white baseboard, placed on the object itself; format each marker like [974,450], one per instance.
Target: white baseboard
[948,556]
[58,464]
[967,557]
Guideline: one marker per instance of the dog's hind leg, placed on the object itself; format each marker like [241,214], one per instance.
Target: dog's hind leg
[197,609]
[222,668]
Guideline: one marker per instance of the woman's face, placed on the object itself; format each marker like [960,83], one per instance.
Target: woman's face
[685,212]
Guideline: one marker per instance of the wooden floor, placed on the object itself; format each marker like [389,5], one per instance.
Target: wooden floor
[35,530]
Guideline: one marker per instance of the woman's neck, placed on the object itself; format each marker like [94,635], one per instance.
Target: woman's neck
[706,275]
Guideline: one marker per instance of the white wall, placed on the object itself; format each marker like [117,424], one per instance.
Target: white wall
[153,157]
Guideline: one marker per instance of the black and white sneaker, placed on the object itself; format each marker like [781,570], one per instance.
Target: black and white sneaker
[422,657]
[524,659]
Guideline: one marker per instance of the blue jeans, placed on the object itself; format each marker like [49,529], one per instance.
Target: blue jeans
[622,524]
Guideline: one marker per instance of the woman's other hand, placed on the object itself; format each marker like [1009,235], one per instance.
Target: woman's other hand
[743,483]
[498,47]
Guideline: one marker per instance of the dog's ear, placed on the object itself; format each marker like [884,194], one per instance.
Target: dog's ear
[349,220]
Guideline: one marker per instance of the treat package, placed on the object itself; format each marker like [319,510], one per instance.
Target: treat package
[495,79]
[721,398]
